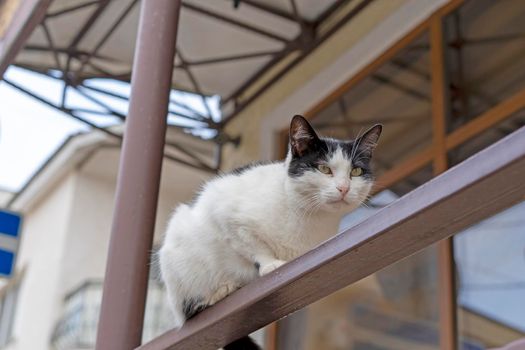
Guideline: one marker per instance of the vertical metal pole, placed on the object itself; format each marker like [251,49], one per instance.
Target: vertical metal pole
[125,286]
[440,110]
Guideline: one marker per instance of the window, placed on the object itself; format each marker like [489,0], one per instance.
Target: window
[77,327]
[490,260]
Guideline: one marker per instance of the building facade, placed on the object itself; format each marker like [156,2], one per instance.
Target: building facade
[427,70]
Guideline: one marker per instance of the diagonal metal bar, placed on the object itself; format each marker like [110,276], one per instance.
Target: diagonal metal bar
[51,44]
[95,100]
[493,39]
[90,111]
[72,9]
[192,155]
[331,10]
[125,77]
[73,52]
[206,168]
[400,86]
[126,98]
[408,66]
[194,82]
[61,109]
[234,22]
[189,109]
[264,69]
[102,4]
[270,9]
[65,78]
[231,58]
[307,32]
[106,36]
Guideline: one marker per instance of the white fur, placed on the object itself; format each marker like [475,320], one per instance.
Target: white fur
[260,216]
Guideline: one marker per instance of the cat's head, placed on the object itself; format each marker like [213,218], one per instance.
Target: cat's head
[328,174]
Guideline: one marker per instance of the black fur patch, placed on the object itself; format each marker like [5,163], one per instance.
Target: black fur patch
[321,152]
[310,160]
[192,306]
[257,265]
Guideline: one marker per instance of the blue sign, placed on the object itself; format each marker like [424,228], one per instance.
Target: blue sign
[9,238]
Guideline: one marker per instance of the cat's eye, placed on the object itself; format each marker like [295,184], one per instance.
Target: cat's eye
[356,172]
[324,169]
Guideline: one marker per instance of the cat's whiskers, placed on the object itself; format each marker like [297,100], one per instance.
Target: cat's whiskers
[307,205]
[314,205]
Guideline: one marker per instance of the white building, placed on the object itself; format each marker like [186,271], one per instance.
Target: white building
[67,208]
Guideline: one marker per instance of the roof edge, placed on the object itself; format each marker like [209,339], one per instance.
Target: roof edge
[59,163]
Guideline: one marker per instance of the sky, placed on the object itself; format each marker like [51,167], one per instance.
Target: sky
[31,131]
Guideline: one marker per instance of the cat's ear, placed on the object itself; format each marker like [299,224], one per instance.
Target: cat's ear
[302,136]
[368,142]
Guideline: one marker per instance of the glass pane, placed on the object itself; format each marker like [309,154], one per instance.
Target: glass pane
[396,95]
[486,60]
[490,259]
[487,137]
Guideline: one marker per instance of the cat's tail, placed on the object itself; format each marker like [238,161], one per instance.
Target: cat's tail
[244,343]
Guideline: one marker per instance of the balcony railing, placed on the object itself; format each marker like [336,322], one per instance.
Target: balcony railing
[78,326]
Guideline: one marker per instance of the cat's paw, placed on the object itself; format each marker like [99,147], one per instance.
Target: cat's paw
[223,291]
[265,269]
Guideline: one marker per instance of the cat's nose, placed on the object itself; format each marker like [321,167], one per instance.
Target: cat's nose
[343,189]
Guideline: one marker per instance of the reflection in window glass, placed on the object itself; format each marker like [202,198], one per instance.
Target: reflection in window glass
[490,258]
[394,309]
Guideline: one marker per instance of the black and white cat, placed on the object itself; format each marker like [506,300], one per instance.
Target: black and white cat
[248,223]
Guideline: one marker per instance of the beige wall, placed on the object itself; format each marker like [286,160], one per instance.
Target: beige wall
[4,197]
[7,11]
[66,238]
[40,255]
[89,229]
[87,232]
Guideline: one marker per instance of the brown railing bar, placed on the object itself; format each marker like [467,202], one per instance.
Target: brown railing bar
[126,279]
[482,185]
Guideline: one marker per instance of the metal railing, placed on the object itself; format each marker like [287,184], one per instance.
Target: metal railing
[77,328]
